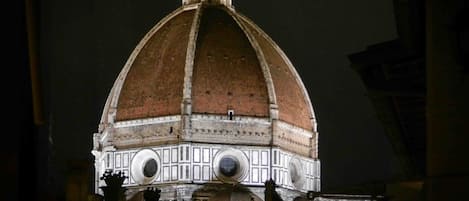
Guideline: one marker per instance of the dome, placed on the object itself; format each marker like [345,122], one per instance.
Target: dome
[206,65]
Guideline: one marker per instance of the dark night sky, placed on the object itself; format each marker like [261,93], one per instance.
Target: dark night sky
[84,44]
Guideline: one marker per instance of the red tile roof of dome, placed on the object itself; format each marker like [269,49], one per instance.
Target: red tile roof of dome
[218,60]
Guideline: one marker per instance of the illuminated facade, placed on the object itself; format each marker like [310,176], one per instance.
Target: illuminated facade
[207,104]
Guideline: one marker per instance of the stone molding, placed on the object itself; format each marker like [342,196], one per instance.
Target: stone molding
[208,128]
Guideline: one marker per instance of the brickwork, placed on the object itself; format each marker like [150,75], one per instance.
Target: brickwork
[227,74]
[154,84]
[291,100]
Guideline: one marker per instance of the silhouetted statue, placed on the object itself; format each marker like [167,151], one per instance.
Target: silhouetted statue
[113,191]
[151,194]
[270,193]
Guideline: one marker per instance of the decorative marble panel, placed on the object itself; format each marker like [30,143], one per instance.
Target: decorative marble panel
[255,157]
[206,155]
[166,156]
[174,172]
[196,154]
[193,163]
[118,160]
[166,173]
[125,162]
[264,158]
[255,175]
[206,173]
[174,155]
[196,172]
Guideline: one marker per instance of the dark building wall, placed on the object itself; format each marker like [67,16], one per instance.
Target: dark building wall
[24,149]
[447,101]
[394,74]
[426,113]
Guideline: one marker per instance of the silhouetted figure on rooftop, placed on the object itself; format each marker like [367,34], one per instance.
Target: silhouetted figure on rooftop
[113,191]
[151,194]
[270,193]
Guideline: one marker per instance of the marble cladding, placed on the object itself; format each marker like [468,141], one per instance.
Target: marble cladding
[192,163]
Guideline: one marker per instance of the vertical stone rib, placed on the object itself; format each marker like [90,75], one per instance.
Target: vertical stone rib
[273,107]
[263,63]
[290,66]
[314,141]
[186,105]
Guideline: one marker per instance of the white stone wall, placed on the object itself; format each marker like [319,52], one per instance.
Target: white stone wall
[193,163]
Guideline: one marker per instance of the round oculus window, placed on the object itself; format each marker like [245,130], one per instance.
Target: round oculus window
[150,168]
[228,166]
[294,174]
[145,166]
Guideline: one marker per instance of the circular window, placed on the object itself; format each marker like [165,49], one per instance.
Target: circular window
[296,172]
[145,166]
[228,166]
[150,167]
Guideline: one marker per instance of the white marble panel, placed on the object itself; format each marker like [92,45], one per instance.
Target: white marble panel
[174,155]
[166,173]
[255,157]
[206,155]
[196,156]
[280,177]
[196,172]
[275,157]
[174,172]
[264,158]
[281,159]
[264,172]
[118,160]
[187,154]
[275,175]
[187,172]
[318,171]
[255,175]
[166,156]
[206,173]
[286,178]
[125,160]
[109,161]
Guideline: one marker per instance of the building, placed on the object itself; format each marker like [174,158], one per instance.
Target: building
[208,107]
[418,84]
